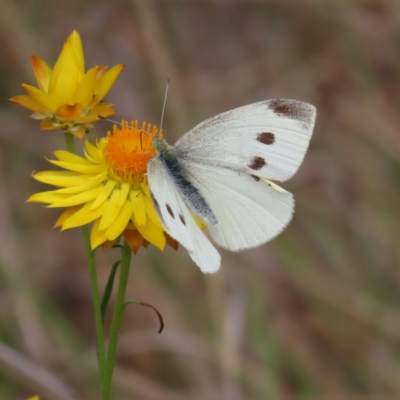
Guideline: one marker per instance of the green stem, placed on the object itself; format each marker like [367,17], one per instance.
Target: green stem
[69,139]
[116,321]
[91,258]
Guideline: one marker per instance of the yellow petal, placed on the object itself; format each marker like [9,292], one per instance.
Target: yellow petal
[27,102]
[89,184]
[123,194]
[79,131]
[47,197]
[66,156]
[110,212]
[103,195]
[84,169]
[120,222]
[38,116]
[105,83]
[103,109]
[76,43]
[85,90]
[66,214]
[48,125]
[146,190]
[97,236]
[80,198]
[60,178]
[102,70]
[152,234]
[151,212]
[89,118]
[138,207]
[66,75]
[115,197]
[93,153]
[42,73]
[84,216]
[69,112]
[47,101]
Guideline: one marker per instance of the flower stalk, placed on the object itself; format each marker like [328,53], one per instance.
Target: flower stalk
[91,258]
[119,309]
[106,363]
[106,187]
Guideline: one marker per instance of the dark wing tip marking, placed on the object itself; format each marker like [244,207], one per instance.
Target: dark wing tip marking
[266,138]
[182,218]
[171,213]
[257,163]
[293,109]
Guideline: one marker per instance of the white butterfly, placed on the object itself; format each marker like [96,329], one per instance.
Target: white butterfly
[221,170]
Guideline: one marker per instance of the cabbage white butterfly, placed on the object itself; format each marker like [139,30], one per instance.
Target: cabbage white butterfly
[221,171]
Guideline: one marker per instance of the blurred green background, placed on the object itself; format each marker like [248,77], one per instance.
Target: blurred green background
[315,314]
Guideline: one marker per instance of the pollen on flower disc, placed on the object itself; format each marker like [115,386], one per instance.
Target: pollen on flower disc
[128,150]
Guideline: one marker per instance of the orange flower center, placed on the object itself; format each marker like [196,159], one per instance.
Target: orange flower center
[128,150]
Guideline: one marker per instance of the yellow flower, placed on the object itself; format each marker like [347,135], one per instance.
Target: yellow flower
[108,187]
[34,398]
[67,97]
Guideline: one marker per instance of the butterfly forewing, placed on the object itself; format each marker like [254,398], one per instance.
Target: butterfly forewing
[176,218]
[268,139]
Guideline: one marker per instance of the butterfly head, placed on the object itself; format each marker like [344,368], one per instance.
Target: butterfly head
[160,145]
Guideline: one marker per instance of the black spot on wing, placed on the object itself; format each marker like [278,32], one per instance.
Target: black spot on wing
[157,207]
[170,212]
[182,218]
[293,109]
[257,163]
[266,138]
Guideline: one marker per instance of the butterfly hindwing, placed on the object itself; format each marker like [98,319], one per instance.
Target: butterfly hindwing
[176,218]
[268,139]
[250,210]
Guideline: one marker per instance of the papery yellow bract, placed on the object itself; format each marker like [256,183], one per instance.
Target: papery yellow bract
[67,97]
[109,188]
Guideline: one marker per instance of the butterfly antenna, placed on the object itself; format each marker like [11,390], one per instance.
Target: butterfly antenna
[114,122]
[109,120]
[165,102]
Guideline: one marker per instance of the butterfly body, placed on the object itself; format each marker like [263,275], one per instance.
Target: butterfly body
[191,195]
[221,171]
